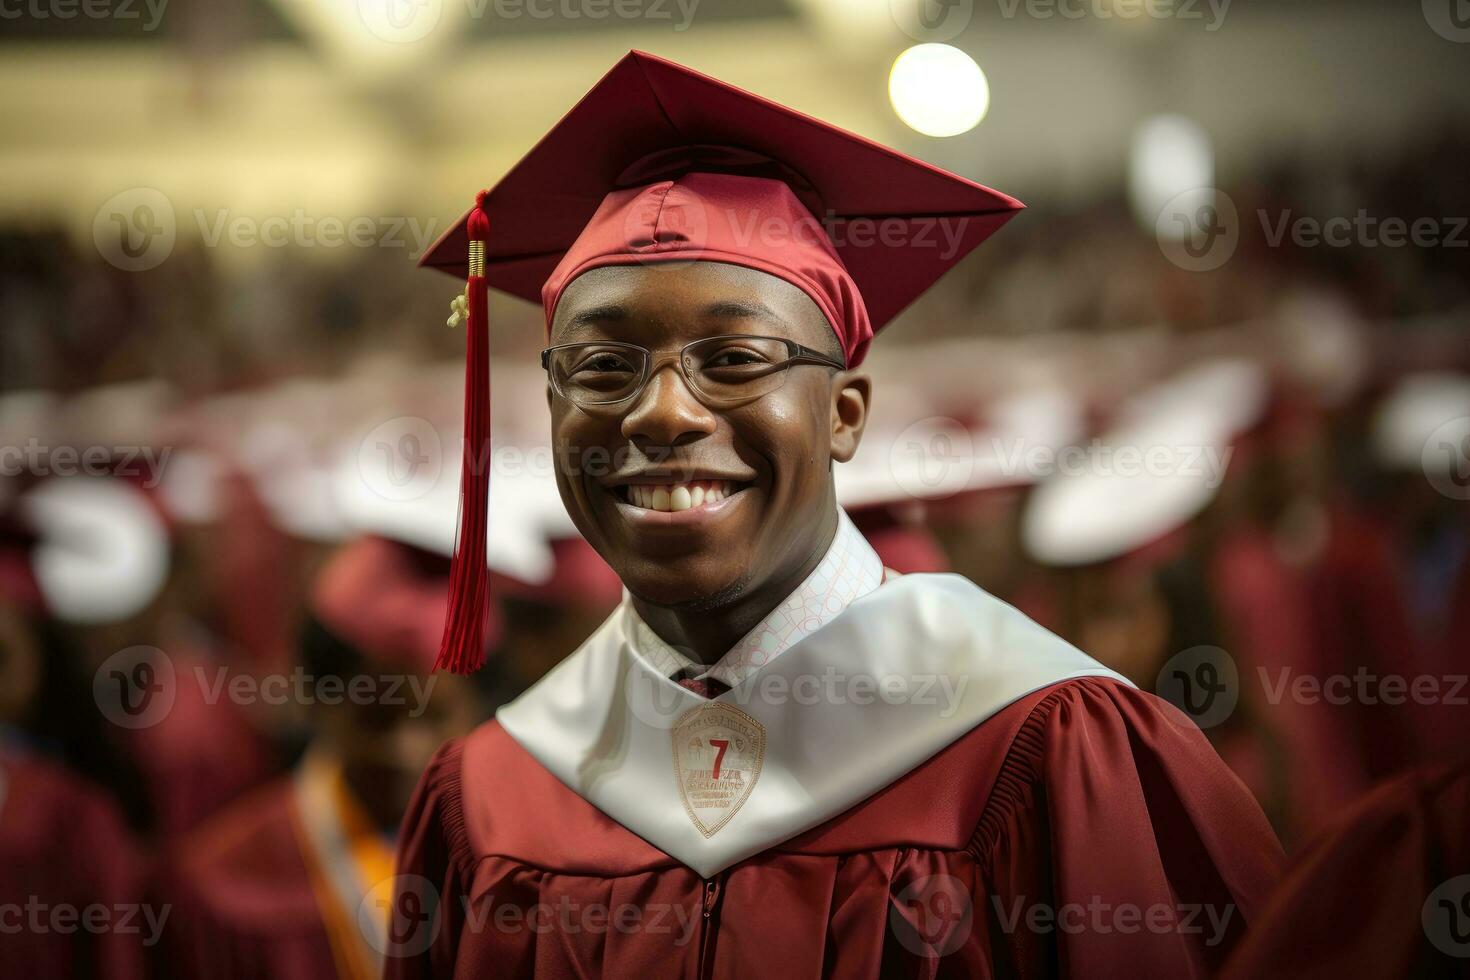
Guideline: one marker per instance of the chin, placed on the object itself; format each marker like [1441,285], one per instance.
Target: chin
[674,587]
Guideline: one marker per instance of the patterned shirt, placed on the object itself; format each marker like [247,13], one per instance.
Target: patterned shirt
[848,571]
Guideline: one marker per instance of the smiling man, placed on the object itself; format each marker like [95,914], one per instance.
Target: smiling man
[776,757]
[718,495]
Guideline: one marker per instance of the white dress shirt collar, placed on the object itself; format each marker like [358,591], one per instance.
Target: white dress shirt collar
[849,570]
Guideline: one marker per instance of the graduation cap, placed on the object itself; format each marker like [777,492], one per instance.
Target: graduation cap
[579,579]
[1411,413]
[1152,474]
[101,547]
[660,163]
[386,599]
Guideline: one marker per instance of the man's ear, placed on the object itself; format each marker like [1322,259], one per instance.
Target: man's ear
[852,396]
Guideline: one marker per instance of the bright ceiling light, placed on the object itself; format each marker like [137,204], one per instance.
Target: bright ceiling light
[938,90]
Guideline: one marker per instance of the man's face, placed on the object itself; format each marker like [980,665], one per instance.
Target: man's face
[385,746]
[770,457]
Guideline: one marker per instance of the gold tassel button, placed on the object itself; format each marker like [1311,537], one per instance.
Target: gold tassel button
[459,311]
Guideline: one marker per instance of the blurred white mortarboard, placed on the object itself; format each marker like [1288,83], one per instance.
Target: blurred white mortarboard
[1158,469]
[1221,396]
[525,510]
[103,553]
[190,487]
[1414,410]
[938,457]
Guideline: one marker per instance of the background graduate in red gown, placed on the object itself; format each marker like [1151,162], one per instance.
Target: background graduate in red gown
[1384,892]
[282,883]
[1133,590]
[71,872]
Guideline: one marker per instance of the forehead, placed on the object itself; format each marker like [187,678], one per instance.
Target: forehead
[682,301]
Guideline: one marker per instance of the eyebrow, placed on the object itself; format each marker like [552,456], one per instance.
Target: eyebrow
[720,309]
[731,309]
[606,313]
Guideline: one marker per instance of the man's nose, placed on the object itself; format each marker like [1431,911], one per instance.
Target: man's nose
[666,411]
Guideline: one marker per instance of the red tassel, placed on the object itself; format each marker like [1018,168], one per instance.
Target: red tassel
[462,650]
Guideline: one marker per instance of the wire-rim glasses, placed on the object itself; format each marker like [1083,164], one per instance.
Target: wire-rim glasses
[720,371]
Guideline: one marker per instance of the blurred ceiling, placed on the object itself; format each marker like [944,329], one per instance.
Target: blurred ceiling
[264,107]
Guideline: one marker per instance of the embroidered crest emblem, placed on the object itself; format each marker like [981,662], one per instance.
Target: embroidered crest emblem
[718,751]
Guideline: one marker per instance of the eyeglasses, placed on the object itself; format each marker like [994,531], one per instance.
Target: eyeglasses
[721,371]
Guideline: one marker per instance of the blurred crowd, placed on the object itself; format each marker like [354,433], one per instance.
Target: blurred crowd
[221,473]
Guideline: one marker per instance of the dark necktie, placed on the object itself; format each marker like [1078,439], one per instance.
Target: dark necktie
[705,687]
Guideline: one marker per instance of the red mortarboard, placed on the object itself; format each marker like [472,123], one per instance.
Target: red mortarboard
[579,579]
[384,598]
[660,163]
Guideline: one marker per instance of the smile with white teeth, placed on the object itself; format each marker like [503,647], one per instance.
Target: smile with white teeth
[678,496]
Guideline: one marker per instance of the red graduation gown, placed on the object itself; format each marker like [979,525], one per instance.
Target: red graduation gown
[243,900]
[202,754]
[63,850]
[1362,899]
[1080,831]
[1267,605]
[1361,622]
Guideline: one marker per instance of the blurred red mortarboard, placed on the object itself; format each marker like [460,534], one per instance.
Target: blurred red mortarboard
[580,579]
[387,600]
